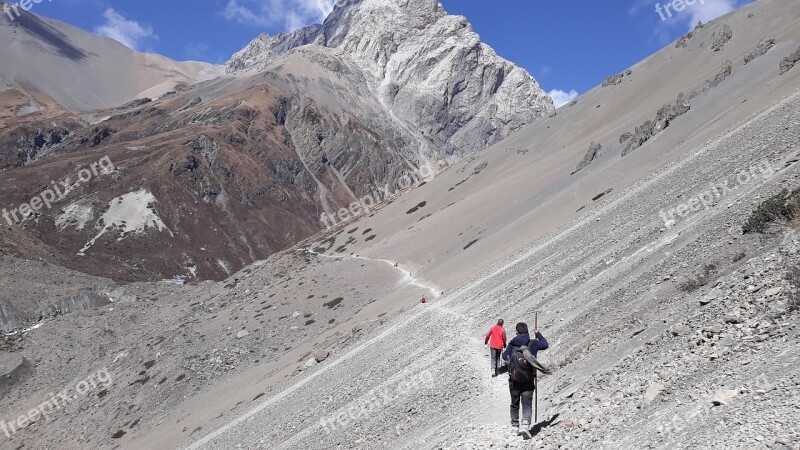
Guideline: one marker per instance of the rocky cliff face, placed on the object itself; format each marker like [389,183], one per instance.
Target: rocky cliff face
[429,70]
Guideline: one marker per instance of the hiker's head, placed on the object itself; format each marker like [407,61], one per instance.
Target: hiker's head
[500,322]
[522,328]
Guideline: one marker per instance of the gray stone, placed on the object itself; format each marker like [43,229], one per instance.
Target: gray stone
[721,37]
[711,296]
[680,330]
[591,154]
[773,291]
[730,318]
[651,393]
[762,48]
[724,397]
[789,62]
[321,355]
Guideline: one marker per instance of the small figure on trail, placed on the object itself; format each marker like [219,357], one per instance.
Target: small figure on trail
[423,299]
[522,375]
[496,340]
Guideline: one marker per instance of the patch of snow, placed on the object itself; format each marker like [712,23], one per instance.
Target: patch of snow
[98,120]
[130,213]
[25,330]
[224,265]
[118,357]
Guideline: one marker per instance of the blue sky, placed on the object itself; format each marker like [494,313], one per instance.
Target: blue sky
[569,46]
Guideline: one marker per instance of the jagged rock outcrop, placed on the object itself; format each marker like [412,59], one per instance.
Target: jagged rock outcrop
[762,48]
[664,117]
[591,154]
[724,72]
[9,318]
[266,47]
[684,40]
[669,112]
[721,38]
[457,99]
[614,80]
[789,62]
[27,143]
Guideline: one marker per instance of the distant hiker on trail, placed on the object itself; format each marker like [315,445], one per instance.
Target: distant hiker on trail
[522,375]
[496,339]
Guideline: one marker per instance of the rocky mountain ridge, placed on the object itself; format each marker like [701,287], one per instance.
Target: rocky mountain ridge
[457,99]
[80,71]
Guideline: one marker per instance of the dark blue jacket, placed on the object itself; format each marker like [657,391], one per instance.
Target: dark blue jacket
[540,343]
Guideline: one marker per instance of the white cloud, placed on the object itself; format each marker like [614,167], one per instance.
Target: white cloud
[709,10]
[561,98]
[698,11]
[639,5]
[287,14]
[127,32]
[196,50]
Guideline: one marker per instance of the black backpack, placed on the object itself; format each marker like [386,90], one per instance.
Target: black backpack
[519,369]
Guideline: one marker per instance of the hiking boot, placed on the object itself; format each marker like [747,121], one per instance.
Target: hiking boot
[515,427]
[525,430]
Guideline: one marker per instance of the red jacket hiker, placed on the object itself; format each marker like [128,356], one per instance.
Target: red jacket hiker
[496,337]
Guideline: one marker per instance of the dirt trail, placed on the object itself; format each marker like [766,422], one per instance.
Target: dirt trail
[406,278]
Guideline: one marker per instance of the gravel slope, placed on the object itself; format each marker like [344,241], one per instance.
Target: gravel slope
[607,287]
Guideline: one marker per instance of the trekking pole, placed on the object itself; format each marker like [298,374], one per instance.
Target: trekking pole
[536,377]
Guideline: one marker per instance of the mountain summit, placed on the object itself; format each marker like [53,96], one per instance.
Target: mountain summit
[429,69]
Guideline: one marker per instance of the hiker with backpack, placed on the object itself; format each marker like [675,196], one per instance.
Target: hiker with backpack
[496,340]
[520,359]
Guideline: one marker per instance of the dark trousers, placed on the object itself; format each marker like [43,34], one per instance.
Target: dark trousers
[495,359]
[521,393]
